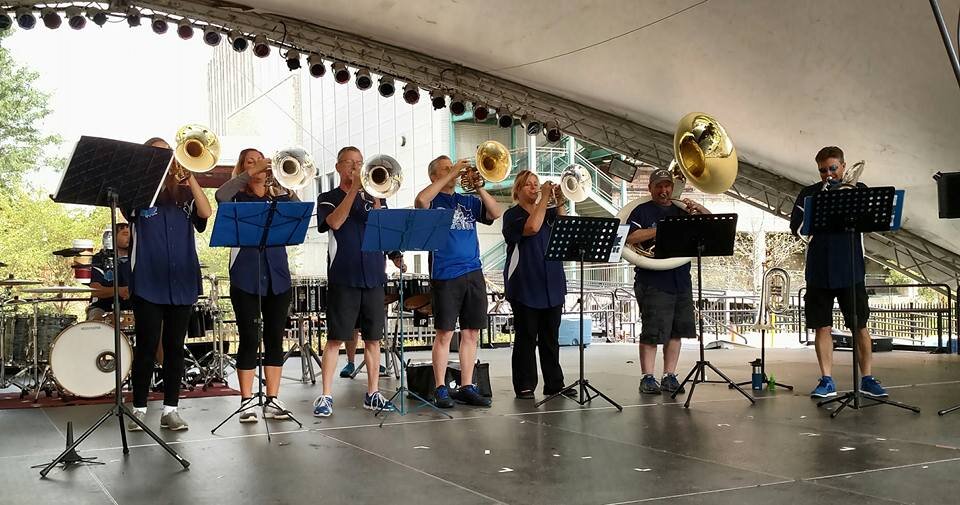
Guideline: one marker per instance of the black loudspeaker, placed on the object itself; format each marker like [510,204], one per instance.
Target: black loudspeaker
[948,194]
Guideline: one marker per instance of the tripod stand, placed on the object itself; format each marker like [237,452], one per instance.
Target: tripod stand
[577,238]
[260,224]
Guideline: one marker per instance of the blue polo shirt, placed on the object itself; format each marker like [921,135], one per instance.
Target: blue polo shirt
[529,279]
[462,254]
[103,275]
[673,281]
[347,264]
[163,260]
[829,254]
[274,270]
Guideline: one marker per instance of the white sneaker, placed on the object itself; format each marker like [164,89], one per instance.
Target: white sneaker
[276,410]
[249,414]
[141,416]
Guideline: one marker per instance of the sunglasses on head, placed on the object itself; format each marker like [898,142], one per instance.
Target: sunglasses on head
[832,168]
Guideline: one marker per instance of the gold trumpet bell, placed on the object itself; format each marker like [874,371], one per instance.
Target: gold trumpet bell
[705,153]
[493,161]
[198,148]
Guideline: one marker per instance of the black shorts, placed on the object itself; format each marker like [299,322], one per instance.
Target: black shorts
[349,308]
[818,306]
[464,297]
[664,315]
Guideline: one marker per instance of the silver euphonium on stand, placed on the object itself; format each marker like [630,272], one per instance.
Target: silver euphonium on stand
[774,297]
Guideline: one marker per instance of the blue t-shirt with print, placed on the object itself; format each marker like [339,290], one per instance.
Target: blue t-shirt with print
[462,253]
[676,280]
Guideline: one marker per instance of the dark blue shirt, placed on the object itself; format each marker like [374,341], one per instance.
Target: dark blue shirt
[829,254]
[462,254]
[274,270]
[163,262]
[103,274]
[676,280]
[347,263]
[529,279]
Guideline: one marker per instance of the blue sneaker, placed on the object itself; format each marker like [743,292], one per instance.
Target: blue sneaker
[441,398]
[669,384]
[470,395]
[649,385]
[323,406]
[825,388]
[377,401]
[870,386]
[347,370]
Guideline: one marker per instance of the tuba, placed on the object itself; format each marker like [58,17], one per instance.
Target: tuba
[292,169]
[705,157]
[774,296]
[381,176]
[198,150]
[493,165]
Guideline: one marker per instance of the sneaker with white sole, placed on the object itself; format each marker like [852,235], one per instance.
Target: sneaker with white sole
[173,422]
[141,416]
[276,410]
[323,406]
[377,401]
[249,414]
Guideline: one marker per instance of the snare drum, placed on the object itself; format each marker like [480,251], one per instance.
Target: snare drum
[128,323]
[309,295]
[82,359]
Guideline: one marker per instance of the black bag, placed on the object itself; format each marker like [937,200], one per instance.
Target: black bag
[481,377]
[420,378]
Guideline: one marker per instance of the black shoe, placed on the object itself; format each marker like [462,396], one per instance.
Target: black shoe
[649,385]
[669,384]
[470,396]
[571,393]
[525,395]
[441,398]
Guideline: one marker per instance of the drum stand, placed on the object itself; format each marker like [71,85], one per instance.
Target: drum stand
[219,360]
[307,354]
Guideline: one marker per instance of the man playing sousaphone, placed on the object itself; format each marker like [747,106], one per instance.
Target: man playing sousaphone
[665,296]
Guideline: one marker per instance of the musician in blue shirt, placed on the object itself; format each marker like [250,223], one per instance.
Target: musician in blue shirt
[535,288]
[829,277]
[458,287]
[164,284]
[268,295]
[355,280]
[101,276]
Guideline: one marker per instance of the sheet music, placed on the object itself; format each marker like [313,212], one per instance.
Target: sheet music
[618,244]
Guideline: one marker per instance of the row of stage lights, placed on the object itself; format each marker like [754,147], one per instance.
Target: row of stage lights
[212,36]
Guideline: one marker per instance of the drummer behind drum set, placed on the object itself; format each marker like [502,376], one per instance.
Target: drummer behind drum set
[101,280]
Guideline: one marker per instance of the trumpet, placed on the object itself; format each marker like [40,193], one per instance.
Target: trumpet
[381,176]
[197,151]
[292,169]
[493,164]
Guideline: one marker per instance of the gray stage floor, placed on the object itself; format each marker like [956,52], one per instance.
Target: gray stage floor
[782,450]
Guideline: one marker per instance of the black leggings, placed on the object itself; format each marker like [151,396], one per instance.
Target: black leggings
[152,320]
[536,329]
[275,310]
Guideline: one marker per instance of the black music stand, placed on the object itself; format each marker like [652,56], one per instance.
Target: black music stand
[854,211]
[699,235]
[111,173]
[582,239]
[260,225]
[406,230]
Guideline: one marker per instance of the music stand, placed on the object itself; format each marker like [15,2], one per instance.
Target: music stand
[854,211]
[115,174]
[582,239]
[699,235]
[260,225]
[406,230]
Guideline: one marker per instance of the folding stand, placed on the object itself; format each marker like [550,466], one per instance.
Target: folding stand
[582,239]
[260,225]
[699,235]
[104,172]
[854,211]
[763,326]
[406,230]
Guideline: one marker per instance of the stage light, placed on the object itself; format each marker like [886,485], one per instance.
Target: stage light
[552,130]
[293,60]
[50,18]
[532,126]
[25,18]
[159,24]
[458,106]
[437,99]
[75,18]
[133,17]
[363,79]
[411,93]
[98,16]
[5,21]
[504,118]
[212,36]
[340,73]
[260,47]
[238,42]
[185,29]
[480,112]
[315,65]
[387,86]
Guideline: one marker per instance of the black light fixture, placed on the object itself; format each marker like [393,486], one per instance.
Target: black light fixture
[387,86]
[185,29]
[293,59]
[532,126]
[75,18]
[552,130]
[363,79]
[5,21]
[480,112]
[411,93]
[51,19]
[98,16]
[260,47]
[133,17]
[159,24]
[504,118]
[437,99]
[315,66]
[238,41]
[458,106]
[212,36]
[340,73]
[25,18]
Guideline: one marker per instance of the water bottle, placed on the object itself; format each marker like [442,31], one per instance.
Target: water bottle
[771,383]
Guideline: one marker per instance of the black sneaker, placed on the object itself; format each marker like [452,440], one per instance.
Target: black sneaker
[669,384]
[470,395]
[441,398]
[649,385]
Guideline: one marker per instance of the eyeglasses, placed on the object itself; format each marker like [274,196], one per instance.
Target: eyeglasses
[348,163]
[831,168]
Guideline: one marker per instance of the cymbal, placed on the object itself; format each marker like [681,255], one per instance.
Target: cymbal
[420,303]
[58,289]
[71,252]
[18,282]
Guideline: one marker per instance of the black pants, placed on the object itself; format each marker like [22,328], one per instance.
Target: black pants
[153,320]
[536,329]
[275,309]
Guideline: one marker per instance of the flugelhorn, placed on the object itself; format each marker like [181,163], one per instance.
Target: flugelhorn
[493,164]
[774,296]
[198,150]
[292,168]
[381,176]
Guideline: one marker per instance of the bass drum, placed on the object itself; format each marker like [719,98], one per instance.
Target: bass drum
[631,255]
[82,359]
